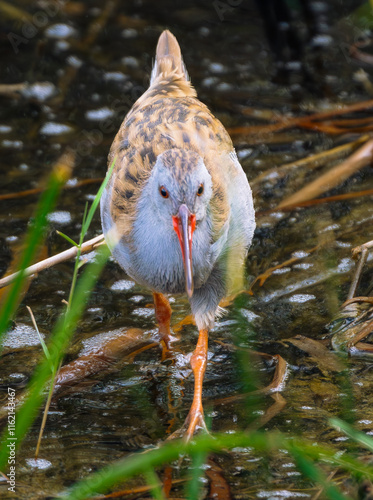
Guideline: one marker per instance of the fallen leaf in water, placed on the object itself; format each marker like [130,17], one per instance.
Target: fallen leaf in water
[127,343]
[324,358]
[219,487]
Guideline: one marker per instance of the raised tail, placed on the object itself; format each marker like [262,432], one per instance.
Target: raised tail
[168,58]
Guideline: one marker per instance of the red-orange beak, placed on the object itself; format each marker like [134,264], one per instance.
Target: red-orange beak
[184,225]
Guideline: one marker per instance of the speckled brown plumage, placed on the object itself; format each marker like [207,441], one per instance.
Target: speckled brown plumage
[168,115]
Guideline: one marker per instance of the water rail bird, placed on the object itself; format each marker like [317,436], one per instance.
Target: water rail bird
[179,204]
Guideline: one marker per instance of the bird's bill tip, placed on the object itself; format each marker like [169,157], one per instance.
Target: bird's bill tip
[184,225]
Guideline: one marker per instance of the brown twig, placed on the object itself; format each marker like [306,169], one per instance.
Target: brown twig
[358,300]
[276,384]
[303,121]
[316,201]
[30,192]
[88,246]
[311,161]
[333,177]
[262,278]
[358,54]
[357,275]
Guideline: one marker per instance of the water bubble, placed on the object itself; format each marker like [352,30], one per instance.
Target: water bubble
[130,61]
[60,30]
[299,254]
[282,270]
[301,298]
[12,144]
[244,153]
[129,33]
[116,76]
[60,217]
[99,114]
[345,265]
[210,81]
[122,285]
[216,68]
[52,128]
[74,61]
[281,494]
[41,91]
[39,463]
[21,336]
[136,298]
[143,312]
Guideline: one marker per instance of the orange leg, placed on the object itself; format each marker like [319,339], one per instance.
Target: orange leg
[198,363]
[163,314]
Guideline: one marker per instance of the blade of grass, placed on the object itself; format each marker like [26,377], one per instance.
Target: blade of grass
[96,201]
[67,238]
[153,481]
[310,470]
[331,456]
[358,436]
[136,464]
[60,338]
[193,487]
[76,265]
[52,384]
[59,176]
[43,344]
[87,219]
[133,465]
[245,363]
[46,409]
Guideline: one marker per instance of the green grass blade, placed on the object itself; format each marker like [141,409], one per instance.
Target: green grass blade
[96,201]
[153,481]
[67,238]
[60,338]
[41,340]
[87,219]
[171,450]
[310,470]
[34,237]
[329,455]
[357,436]
[136,464]
[193,488]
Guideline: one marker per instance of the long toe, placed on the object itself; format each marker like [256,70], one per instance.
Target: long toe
[194,423]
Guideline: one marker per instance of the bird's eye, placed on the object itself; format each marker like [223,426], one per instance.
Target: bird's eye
[200,190]
[163,191]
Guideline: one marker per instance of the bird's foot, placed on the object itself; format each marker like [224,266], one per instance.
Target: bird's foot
[194,423]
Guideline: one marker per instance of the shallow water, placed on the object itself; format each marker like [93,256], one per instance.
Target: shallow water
[83,70]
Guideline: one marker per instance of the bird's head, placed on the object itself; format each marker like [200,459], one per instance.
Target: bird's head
[181,189]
